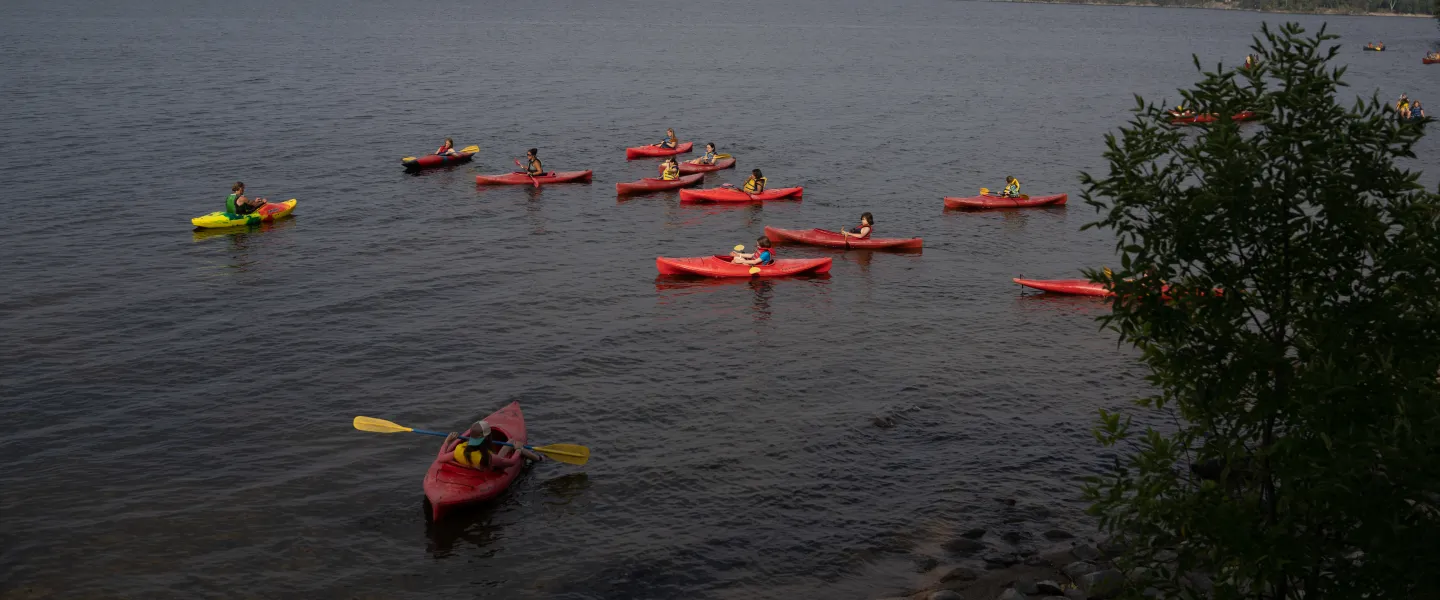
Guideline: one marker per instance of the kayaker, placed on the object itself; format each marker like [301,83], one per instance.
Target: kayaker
[708,158]
[1249,61]
[532,163]
[861,231]
[672,169]
[237,203]
[756,183]
[670,140]
[447,148]
[480,452]
[764,254]
[1012,187]
[1417,111]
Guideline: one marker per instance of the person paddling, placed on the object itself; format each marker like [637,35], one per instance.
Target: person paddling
[708,158]
[755,184]
[670,140]
[1012,187]
[672,169]
[479,452]
[447,148]
[237,203]
[533,167]
[763,256]
[861,231]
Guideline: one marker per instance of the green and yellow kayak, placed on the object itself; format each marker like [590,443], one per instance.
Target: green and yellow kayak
[270,212]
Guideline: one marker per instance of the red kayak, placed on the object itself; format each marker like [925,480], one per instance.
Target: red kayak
[831,239]
[449,485]
[436,160]
[1210,118]
[720,266]
[523,179]
[1429,61]
[650,184]
[723,194]
[989,201]
[649,151]
[1079,287]
[689,168]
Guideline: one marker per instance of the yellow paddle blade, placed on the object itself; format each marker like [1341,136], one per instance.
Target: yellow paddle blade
[470,149]
[408,159]
[375,425]
[754,270]
[570,454]
[984,191]
[739,247]
[720,156]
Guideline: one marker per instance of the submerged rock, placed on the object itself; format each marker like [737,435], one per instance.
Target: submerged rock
[1077,569]
[946,595]
[963,546]
[1058,534]
[974,534]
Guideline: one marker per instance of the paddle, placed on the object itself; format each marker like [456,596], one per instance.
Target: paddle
[527,173]
[571,454]
[471,149]
[986,192]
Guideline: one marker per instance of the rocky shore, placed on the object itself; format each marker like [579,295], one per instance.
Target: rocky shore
[980,565]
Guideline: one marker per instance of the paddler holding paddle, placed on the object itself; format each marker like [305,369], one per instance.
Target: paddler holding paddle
[479,452]
[1012,187]
[861,231]
[533,167]
[708,158]
[670,140]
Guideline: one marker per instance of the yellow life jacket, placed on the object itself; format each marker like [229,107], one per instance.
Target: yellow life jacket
[470,456]
[672,172]
[1012,188]
[755,186]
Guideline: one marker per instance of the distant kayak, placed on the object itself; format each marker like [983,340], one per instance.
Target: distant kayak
[650,184]
[1079,287]
[1429,61]
[523,179]
[985,201]
[723,194]
[831,239]
[687,168]
[449,485]
[435,160]
[269,212]
[649,151]
[720,266]
[1211,118]
[1373,49]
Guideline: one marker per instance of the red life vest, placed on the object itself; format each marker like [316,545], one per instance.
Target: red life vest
[855,233]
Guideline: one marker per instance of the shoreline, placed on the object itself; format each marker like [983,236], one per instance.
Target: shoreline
[1223,6]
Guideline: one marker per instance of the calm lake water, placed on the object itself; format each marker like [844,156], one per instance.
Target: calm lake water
[176,406]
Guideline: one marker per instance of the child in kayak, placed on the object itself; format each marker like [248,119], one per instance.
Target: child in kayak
[532,163]
[755,184]
[670,140]
[447,148]
[764,254]
[480,452]
[708,158]
[1012,187]
[237,203]
[672,169]
[1250,61]
[861,231]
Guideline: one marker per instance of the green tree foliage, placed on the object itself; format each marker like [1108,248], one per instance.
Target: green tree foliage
[1295,340]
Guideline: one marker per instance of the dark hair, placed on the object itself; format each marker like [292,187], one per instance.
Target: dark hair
[868,218]
[763,242]
[450,141]
[1009,178]
[709,144]
[756,173]
[237,187]
[535,152]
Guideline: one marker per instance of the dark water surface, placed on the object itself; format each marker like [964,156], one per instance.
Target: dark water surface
[176,407]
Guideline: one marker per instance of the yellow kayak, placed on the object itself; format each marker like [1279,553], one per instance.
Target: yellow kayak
[270,212]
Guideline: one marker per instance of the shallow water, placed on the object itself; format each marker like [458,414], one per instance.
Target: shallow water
[177,405]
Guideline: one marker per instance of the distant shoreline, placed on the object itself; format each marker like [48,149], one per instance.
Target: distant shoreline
[1224,6]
